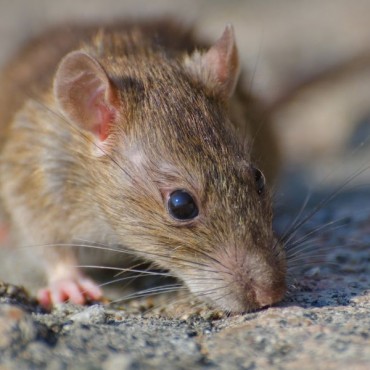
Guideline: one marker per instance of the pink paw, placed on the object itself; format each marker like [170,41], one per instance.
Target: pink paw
[78,291]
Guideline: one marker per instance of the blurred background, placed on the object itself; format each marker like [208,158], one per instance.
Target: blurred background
[308,61]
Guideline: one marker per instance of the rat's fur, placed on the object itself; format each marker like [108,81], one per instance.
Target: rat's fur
[171,122]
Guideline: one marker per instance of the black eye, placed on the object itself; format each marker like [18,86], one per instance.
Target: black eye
[182,206]
[260,180]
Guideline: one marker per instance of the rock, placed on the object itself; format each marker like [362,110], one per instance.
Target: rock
[17,328]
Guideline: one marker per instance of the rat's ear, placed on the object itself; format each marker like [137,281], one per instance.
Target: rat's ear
[85,94]
[218,67]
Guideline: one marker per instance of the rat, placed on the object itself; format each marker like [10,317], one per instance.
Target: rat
[139,135]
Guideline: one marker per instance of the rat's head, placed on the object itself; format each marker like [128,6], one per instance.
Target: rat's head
[173,177]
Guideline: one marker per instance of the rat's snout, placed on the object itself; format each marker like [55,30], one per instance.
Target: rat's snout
[266,295]
[255,288]
[248,280]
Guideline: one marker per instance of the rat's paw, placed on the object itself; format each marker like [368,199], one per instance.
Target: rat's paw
[78,291]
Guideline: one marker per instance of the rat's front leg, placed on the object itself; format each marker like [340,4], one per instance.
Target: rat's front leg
[66,283]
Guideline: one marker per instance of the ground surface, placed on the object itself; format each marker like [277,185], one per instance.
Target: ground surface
[324,323]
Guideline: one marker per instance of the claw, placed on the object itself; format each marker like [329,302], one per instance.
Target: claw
[78,290]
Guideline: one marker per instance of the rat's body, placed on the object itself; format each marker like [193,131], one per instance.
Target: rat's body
[133,122]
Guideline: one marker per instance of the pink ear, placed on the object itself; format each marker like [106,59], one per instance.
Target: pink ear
[218,68]
[85,93]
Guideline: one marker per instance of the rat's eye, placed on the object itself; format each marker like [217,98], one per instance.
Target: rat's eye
[260,180]
[182,206]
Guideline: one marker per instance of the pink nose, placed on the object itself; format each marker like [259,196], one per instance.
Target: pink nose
[267,297]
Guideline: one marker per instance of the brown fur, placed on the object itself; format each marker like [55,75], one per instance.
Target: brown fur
[175,131]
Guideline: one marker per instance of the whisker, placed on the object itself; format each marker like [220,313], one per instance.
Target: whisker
[222,296]
[256,64]
[324,227]
[110,282]
[143,272]
[300,261]
[307,253]
[210,290]
[321,204]
[299,214]
[308,247]
[184,261]
[79,245]
[149,292]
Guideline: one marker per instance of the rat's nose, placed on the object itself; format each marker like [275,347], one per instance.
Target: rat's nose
[269,295]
